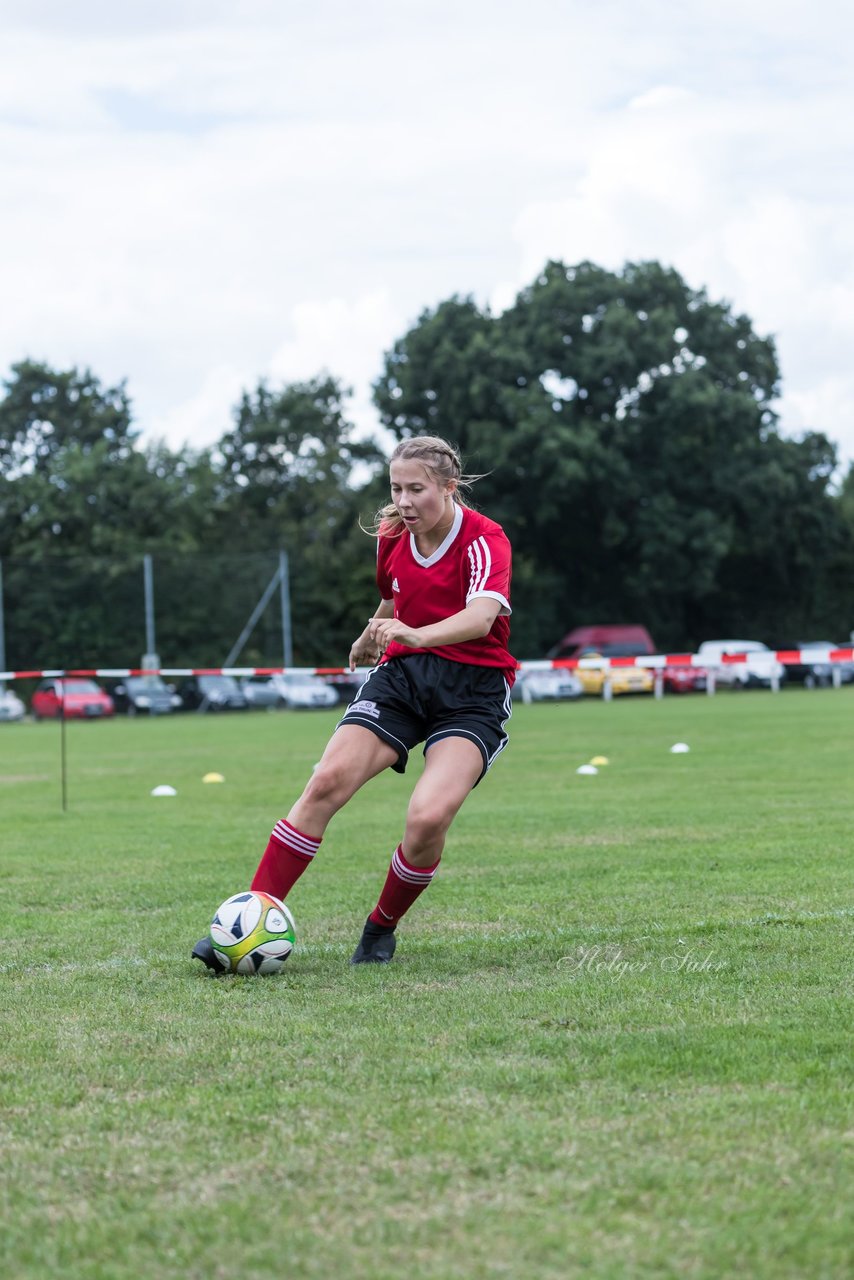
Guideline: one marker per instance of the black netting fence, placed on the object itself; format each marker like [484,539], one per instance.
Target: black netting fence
[85,612]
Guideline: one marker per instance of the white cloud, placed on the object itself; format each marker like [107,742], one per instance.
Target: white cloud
[705,183]
[202,418]
[662,95]
[196,195]
[342,338]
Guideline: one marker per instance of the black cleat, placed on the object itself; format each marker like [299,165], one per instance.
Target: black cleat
[376,945]
[204,951]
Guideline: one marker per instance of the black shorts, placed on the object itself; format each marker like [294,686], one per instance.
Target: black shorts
[422,698]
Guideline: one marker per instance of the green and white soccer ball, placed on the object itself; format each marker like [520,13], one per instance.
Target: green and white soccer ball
[252,932]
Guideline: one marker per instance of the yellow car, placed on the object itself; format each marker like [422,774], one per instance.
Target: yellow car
[623,679]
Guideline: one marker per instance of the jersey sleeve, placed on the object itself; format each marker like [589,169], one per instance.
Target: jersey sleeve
[487,560]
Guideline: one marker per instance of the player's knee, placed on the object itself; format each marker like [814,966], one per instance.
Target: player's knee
[427,823]
[328,786]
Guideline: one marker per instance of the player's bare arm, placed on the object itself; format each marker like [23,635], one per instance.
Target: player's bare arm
[364,650]
[470,623]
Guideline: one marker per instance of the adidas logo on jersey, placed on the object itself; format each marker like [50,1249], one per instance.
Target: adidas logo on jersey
[395,586]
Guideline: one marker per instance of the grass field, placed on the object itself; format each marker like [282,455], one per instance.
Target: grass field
[615,1042]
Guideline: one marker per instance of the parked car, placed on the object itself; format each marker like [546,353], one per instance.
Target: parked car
[684,679]
[759,667]
[559,684]
[290,690]
[144,695]
[816,670]
[11,706]
[72,698]
[623,679]
[212,693]
[624,640]
[347,684]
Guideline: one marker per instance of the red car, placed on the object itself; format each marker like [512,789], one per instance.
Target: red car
[684,679]
[80,699]
[611,641]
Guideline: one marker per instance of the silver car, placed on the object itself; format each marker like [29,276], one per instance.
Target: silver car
[292,690]
[759,668]
[559,685]
[11,706]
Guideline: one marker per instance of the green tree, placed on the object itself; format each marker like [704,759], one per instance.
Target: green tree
[291,474]
[626,426]
[76,498]
[839,573]
[45,411]
[73,479]
[81,502]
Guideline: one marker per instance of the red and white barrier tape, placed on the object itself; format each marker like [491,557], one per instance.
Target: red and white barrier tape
[117,673]
[658,661]
[663,661]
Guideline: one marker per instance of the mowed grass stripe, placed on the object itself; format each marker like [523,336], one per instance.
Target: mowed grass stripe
[615,1041]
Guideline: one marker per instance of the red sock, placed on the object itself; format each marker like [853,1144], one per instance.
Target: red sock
[403,885]
[287,855]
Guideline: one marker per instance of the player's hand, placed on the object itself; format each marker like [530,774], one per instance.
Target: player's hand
[364,652]
[384,630]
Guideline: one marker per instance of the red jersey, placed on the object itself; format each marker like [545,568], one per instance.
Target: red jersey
[473,561]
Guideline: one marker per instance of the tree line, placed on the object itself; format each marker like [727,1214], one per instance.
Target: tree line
[623,427]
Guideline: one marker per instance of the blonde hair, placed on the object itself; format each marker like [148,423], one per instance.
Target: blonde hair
[442,463]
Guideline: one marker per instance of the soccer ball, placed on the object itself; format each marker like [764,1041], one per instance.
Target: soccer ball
[252,932]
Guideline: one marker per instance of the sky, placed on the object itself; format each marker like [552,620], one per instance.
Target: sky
[196,195]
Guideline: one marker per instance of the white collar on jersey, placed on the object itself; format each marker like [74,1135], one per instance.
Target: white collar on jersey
[426,561]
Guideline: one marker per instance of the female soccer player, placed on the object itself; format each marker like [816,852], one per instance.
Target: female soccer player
[443,678]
